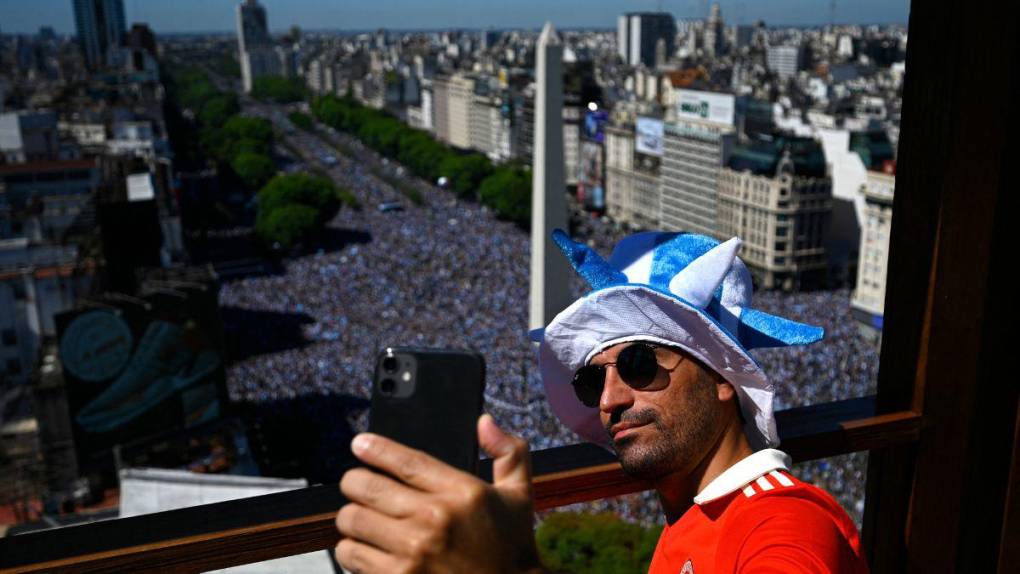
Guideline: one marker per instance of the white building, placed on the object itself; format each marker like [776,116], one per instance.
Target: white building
[784,61]
[777,198]
[695,147]
[868,301]
[632,181]
[453,97]
[29,136]
[135,138]
[490,128]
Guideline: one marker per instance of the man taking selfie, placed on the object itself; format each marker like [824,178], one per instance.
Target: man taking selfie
[653,363]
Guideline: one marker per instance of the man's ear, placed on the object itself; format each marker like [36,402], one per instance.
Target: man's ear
[725,390]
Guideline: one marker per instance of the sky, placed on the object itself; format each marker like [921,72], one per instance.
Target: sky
[26,16]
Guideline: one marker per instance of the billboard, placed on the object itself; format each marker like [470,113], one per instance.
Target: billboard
[594,125]
[648,136]
[139,367]
[710,106]
[590,177]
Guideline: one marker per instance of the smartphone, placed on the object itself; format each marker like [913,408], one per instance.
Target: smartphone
[430,399]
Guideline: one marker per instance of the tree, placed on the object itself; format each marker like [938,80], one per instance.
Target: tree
[465,172]
[253,168]
[242,134]
[598,543]
[287,225]
[293,208]
[508,192]
[301,120]
[278,89]
[217,110]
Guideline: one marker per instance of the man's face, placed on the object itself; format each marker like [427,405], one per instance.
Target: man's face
[659,432]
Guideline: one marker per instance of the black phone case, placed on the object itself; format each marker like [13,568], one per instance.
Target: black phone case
[441,416]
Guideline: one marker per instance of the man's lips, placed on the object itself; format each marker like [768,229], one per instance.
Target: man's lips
[620,429]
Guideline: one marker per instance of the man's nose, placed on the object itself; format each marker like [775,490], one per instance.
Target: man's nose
[616,394]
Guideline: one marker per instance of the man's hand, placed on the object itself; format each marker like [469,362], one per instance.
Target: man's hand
[433,517]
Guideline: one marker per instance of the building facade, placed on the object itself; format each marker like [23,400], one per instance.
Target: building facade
[784,61]
[637,34]
[256,53]
[777,198]
[868,301]
[694,152]
[101,26]
[453,96]
[632,181]
[29,136]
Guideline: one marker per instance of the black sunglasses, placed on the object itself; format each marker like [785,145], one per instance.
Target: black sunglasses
[637,365]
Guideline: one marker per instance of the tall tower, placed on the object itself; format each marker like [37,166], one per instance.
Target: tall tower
[714,32]
[254,44]
[550,292]
[101,26]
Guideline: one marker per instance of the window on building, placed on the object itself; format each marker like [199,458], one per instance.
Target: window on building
[13,367]
[9,337]
[780,246]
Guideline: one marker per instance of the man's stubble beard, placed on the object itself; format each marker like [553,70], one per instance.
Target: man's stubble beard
[682,438]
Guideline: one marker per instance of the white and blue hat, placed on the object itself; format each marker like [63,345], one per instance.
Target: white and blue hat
[679,289]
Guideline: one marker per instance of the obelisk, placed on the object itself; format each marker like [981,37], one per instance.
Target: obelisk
[550,272]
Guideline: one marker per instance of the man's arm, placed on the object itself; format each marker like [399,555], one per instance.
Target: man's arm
[431,517]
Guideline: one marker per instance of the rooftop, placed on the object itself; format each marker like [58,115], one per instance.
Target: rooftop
[762,156]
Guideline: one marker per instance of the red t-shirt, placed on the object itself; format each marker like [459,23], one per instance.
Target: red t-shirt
[756,518]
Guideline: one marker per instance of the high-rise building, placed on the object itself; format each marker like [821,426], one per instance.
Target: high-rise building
[785,61]
[490,126]
[254,44]
[714,32]
[101,26]
[777,196]
[695,146]
[453,96]
[637,34]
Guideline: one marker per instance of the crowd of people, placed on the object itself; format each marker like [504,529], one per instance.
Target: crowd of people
[447,273]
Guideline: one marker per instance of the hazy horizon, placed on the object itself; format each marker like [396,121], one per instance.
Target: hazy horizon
[218,16]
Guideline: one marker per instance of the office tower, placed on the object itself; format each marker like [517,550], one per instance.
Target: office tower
[776,195]
[550,292]
[255,47]
[784,60]
[637,34]
[101,26]
[694,147]
[714,35]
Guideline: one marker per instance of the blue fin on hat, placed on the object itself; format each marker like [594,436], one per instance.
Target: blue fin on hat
[590,265]
[696,269]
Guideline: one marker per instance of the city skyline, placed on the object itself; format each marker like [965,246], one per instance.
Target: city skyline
[191,16]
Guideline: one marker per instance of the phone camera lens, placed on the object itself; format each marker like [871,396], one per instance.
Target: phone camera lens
[389,364]
[387,386]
